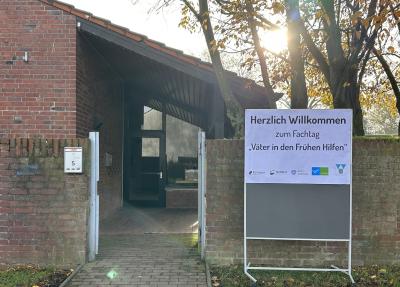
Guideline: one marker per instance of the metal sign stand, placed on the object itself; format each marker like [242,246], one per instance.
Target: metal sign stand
[247,264]
[248,267]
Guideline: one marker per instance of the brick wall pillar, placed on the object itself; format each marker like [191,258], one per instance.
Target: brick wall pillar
[43,212]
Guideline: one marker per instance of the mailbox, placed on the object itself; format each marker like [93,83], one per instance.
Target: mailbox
[73,162]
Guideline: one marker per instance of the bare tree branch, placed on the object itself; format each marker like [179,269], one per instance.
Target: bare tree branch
[193,10]
[267,22]
[393,9]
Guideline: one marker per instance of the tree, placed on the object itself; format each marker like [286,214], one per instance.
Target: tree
[380,121]
[202,15]
[299,97]
[392,80]
[297,79]
[385,65]
[331,47]
[251,22]
[339,36]
[345,61]
[239,28]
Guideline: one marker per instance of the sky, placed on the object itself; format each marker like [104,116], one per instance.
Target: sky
[162,26]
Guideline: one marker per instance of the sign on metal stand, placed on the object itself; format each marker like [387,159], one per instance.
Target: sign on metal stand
[298,179]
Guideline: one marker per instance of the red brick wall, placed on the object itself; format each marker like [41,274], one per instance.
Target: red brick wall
[43,212]
[37,98]
[376,211]
[99,100]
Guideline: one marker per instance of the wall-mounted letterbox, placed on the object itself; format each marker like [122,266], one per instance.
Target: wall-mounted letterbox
[73,162]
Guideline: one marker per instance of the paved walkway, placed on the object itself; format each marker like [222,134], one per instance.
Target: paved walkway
[148,259]
[134,220]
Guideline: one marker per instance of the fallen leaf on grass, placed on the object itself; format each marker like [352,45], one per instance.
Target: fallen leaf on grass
[382,271]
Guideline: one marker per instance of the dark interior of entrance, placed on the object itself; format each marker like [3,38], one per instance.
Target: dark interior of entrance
[160,82]
[148,172]
[155,81]
[127,72]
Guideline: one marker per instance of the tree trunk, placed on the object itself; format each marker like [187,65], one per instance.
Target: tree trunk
[299,98]
[269,102]
[392,80]
[223,83]
[346,95]
[214,53]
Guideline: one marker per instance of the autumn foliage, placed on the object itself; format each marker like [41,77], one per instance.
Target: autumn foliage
[340,53]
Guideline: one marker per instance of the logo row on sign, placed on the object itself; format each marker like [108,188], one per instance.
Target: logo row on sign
[315,170]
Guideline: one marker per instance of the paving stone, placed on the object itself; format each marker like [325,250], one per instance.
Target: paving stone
[151,260]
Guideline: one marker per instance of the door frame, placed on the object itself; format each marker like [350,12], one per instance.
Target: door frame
[93,221]
[160,135]
[201,183]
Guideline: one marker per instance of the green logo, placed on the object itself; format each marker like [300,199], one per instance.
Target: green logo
[324,171]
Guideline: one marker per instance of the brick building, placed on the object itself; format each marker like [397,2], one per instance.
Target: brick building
[64,73]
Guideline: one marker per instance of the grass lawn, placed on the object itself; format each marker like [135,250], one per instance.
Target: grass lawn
[364,276]
[28,276]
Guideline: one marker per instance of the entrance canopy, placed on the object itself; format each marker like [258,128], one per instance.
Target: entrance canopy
[160,75]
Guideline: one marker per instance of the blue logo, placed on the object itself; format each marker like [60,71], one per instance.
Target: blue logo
[321,170]
[315,171]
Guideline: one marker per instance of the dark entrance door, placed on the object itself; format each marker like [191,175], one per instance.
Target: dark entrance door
[150,174]
[144,159]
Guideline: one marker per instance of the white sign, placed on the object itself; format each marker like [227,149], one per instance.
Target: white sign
[73,160]
[298,146]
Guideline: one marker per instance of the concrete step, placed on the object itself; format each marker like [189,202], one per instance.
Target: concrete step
[191,175]
[181,197]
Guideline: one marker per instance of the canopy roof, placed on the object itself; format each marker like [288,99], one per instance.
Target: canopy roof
[160,74]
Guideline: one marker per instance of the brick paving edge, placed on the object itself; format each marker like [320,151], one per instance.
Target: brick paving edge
[72,275]
[208,275]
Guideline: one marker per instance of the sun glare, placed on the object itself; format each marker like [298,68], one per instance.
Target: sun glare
[274,41]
